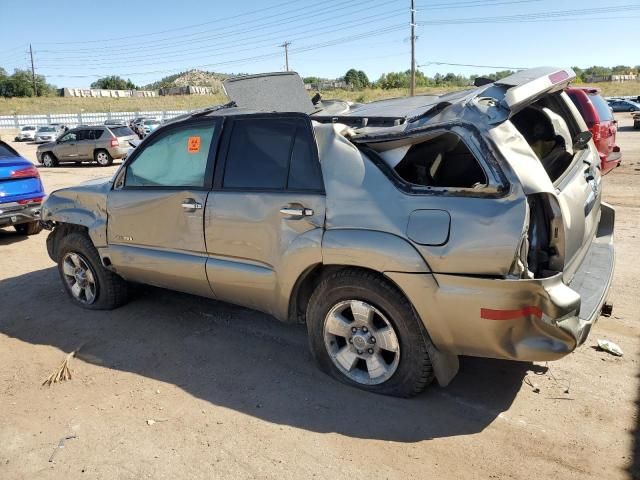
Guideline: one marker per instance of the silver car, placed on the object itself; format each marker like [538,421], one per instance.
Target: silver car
[48,133]
[403,232]
[27,132]
[98,144]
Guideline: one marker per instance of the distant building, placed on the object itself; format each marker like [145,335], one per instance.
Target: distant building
[327,85]
[99,92]
[189,90]
[611,78]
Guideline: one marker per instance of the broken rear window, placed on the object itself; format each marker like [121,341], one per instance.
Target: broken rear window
[441,161]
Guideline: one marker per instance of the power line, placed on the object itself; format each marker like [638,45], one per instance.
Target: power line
[471,65]
[253,59]
[245,41]
[159,32]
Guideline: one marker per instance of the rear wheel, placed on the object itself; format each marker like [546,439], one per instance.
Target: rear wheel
[103,158]
[31,228]
[48,160]
[87,282]
[365,333]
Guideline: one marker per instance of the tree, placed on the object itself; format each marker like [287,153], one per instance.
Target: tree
[311,79]
[357,79]
[114,82]
[20,84]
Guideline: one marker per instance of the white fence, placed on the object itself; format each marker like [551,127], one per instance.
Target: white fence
[74,119]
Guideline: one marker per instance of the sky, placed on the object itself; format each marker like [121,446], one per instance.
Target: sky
[76,42]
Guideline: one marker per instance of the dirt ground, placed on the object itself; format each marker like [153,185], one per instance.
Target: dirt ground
[235,394]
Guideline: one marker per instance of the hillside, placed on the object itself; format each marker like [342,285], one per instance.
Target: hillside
[197,78]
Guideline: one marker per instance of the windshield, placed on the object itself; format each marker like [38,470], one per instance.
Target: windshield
[24,129]
[151,122]
[602,107]
[46,129]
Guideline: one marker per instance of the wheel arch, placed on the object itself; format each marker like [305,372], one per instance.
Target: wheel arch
[445,364]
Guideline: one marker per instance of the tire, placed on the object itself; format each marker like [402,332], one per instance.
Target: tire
[98,288]
[31,228]
[406,372]
[49,160]
[102,158]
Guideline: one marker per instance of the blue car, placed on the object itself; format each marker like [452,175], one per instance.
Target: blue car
[624,105]
[21,192]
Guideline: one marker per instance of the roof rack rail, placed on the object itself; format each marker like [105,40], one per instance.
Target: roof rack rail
[214,108]
[360,122]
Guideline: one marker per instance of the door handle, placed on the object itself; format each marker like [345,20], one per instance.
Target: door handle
[191,205]
[296,211]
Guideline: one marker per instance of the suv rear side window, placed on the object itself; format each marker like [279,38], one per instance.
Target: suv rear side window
[272,154]
[604,112]
[176,159]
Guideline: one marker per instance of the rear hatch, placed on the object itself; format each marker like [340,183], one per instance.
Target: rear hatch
[123,134]
[572,173]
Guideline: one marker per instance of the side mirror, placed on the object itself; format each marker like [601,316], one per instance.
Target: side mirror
[581,140]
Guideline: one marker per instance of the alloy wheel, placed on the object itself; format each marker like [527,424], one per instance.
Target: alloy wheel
[79,277]
[361,342]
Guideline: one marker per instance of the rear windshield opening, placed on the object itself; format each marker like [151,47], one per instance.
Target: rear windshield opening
[122,131]
[548,128]
[442,161]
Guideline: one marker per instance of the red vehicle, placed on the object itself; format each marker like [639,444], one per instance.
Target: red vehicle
[602,125]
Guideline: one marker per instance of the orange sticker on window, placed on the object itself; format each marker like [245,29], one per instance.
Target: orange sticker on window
[193,145]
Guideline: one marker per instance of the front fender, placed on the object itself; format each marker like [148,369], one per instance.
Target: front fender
[84,205]
[380,251]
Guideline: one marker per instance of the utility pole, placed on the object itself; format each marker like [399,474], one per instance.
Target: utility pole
[286,54]
[413,48]
[33,72]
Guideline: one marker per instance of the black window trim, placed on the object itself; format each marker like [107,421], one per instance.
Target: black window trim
[166,130]
[226,140]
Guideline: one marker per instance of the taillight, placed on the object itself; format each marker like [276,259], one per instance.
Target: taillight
[595,132]
[28,172]
[30,200]
[115,142]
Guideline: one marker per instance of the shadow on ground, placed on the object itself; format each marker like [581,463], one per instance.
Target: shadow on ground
[8,235]
[248,362]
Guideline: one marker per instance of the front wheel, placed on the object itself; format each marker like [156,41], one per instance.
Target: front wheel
[87,282]
[31,228]
[103,158]
[365,333]
[48,160]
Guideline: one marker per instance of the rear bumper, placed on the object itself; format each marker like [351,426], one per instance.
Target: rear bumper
[528,320]
[611,161]
[117,152]
[14,214]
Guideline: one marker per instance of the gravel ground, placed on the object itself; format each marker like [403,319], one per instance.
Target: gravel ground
[175,386]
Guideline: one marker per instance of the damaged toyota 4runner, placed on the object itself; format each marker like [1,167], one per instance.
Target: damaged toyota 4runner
[403,232]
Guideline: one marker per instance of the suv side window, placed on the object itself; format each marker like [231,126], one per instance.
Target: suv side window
[82,135]
[70,136]
[271,154]
[95,134]
[176,159]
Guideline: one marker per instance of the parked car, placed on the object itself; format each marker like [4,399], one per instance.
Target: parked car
[27,132]
[21,192]
[148,125]
[603,126]
[619,105]
[115,123]
[636,120]
[403,232]
[48,133]
[99,143]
